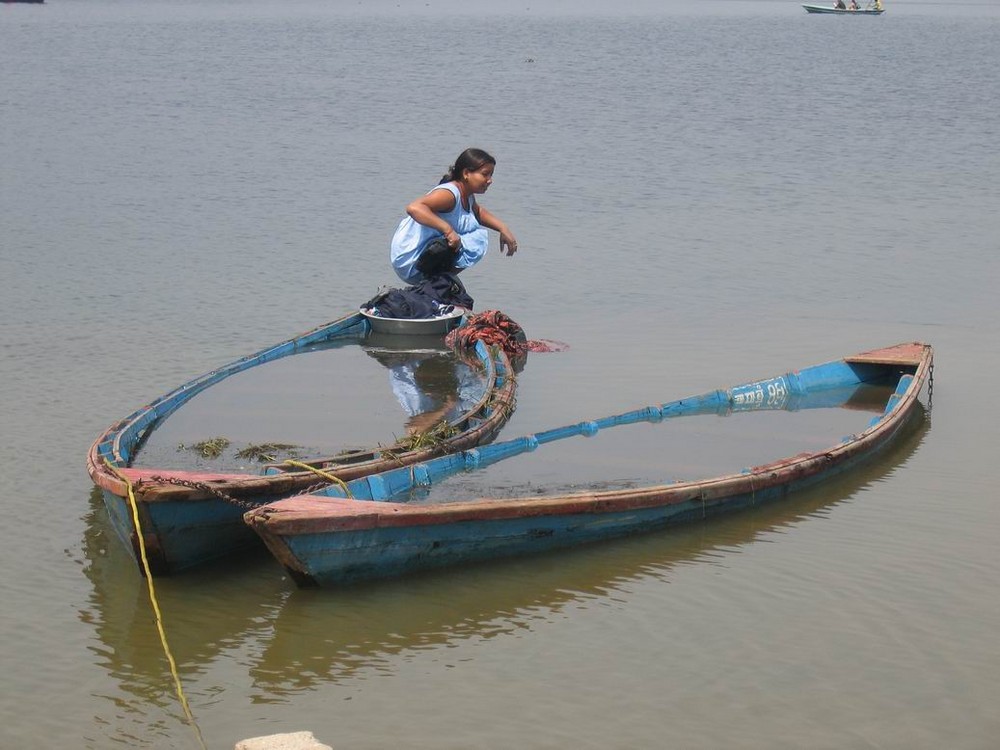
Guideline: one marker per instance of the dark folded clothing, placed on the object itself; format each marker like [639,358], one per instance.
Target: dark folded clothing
[436,296]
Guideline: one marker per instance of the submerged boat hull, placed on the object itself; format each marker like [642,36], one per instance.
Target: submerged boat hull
[191,518]
[323,540]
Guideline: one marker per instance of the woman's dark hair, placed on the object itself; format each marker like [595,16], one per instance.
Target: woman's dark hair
[471,159]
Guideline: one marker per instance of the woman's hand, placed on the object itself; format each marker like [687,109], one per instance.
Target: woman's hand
[452,238]
[507,243]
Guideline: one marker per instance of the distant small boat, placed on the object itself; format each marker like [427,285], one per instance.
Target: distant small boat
[192,517]
[870,10]
[369,531]
[34,2]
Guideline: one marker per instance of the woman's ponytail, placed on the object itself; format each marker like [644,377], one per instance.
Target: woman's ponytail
[448,176]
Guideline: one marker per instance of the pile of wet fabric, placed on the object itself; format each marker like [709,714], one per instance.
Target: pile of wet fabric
[436,296]
[495,328]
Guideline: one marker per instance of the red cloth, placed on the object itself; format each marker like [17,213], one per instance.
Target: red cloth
[494,328]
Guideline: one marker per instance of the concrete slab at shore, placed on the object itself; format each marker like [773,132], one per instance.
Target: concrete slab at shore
[289,741]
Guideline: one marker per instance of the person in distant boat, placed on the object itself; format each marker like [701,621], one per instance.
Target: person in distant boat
[853,5]
[445,230]
[840,5]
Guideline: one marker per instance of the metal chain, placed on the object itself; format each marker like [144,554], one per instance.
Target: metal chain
[214,491]
[312,488]
[930,388]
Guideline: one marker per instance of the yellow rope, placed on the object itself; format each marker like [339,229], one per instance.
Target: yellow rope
[156,606]
[324,474]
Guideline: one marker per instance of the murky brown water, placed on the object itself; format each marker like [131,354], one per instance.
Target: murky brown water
[698,202]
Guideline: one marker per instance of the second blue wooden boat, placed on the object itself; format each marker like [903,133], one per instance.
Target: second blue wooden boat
[369,531]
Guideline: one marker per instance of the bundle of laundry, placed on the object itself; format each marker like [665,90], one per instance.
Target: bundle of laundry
[435,296]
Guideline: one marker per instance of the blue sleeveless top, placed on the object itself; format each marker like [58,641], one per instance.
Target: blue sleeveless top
[411,237]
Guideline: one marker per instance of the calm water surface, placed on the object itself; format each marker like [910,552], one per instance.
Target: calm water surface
[299,405]
[703,194]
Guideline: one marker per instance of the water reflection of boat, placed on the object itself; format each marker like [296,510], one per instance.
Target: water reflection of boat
[316,640]
[142,710]
[190,517]
[369,530]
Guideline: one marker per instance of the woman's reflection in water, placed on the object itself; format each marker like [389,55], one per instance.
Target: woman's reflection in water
[430,382]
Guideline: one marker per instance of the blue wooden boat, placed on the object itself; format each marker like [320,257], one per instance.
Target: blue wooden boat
[191,517]
[367,530]
[874,9]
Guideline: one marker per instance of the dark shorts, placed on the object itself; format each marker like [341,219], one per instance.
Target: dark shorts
[436,258]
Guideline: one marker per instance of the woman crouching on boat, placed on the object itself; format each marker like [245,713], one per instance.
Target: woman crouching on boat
[445,230]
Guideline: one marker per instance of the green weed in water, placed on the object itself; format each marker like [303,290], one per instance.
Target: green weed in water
[266,452]
[211,448]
